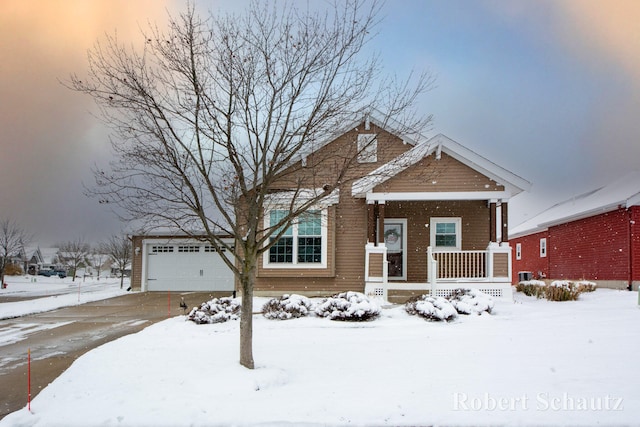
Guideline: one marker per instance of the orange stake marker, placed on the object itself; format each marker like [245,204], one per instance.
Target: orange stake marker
[29,379]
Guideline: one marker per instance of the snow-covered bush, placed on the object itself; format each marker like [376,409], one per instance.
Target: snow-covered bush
[352,306]
[585,286]
[562,290]
[216,310]
[559,290]
[431,308]
[287,307]
[532,288]
[467,301]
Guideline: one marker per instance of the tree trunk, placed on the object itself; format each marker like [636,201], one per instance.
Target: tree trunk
[247,281]
[121,278]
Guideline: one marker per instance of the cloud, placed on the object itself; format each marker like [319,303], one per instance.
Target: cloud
[49,140]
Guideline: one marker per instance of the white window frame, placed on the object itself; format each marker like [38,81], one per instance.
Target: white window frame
[295,264]
[518,251]
[367,148]
[432,225]
[543,247]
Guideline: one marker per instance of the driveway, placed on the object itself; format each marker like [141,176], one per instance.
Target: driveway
[56,338]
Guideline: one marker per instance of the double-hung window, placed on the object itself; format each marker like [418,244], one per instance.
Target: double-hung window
[446,233]
[302,244]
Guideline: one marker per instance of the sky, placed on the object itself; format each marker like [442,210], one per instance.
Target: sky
[547,89]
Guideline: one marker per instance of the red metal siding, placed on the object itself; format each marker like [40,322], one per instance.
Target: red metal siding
[530,259]
[594,248]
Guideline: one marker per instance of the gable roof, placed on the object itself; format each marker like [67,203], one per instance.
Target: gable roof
[374,117]
[624,192]
[440,144]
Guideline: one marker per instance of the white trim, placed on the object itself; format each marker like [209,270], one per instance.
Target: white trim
[283,198]
[432,225]
[403,222]
[543,247]
[512,182]
[324,226]
[439,195]
[518,251]
[169,240]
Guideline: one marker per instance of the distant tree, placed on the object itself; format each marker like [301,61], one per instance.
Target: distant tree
[118,248]
[74,254]
[97,257]
[211,115]
[13,239]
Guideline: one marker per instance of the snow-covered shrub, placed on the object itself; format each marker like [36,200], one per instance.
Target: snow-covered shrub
[352,306]
[467,301]
[585,286]
[431,308]
[562,290]
[216,310]
[559,290]
[287,307]
[532,288]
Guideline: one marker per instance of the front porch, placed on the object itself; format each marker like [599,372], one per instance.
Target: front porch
[488,271]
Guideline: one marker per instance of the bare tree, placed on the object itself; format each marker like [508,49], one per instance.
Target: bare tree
[74,254]
[118,248]
[13,239]
[213,115]
[97,258]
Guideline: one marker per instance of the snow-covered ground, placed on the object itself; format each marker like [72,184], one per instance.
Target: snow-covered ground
[532,362]
[50,293]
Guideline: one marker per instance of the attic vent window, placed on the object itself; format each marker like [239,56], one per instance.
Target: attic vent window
[367,148]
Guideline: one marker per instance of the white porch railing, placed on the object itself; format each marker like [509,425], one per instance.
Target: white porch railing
[488,270]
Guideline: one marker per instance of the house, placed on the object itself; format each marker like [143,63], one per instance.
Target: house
[594,236]
[414,215]
[41,259]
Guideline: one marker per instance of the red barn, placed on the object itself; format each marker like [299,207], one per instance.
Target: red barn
[595,236]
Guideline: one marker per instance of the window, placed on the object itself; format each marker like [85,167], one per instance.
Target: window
[446,233]
[518,250]
[543,247]
[303,243]
[158,249]
[367,148]
[189,248]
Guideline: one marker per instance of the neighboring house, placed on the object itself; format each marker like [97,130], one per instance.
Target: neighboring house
[412,215]
[594,236]
[41,258]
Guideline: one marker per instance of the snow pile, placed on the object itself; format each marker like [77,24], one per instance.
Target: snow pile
[467,301]
[216,310]
[354,306]
[431,308]
[504,369]
[287,307]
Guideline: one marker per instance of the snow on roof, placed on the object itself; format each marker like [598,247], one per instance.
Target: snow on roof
[440,142]
[49,254]
[624,192]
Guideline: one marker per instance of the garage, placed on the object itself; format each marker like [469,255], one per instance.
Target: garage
[184,265]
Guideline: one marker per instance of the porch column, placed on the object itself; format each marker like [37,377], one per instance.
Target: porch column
[492,221]
[505,223]
[371,222]
[381,222]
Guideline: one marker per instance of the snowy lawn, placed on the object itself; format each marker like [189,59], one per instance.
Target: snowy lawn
[51,293]
[533,362]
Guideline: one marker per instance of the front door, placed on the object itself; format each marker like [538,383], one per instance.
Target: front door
[395,239]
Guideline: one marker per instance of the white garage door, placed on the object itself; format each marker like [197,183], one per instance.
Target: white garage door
[186,267]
